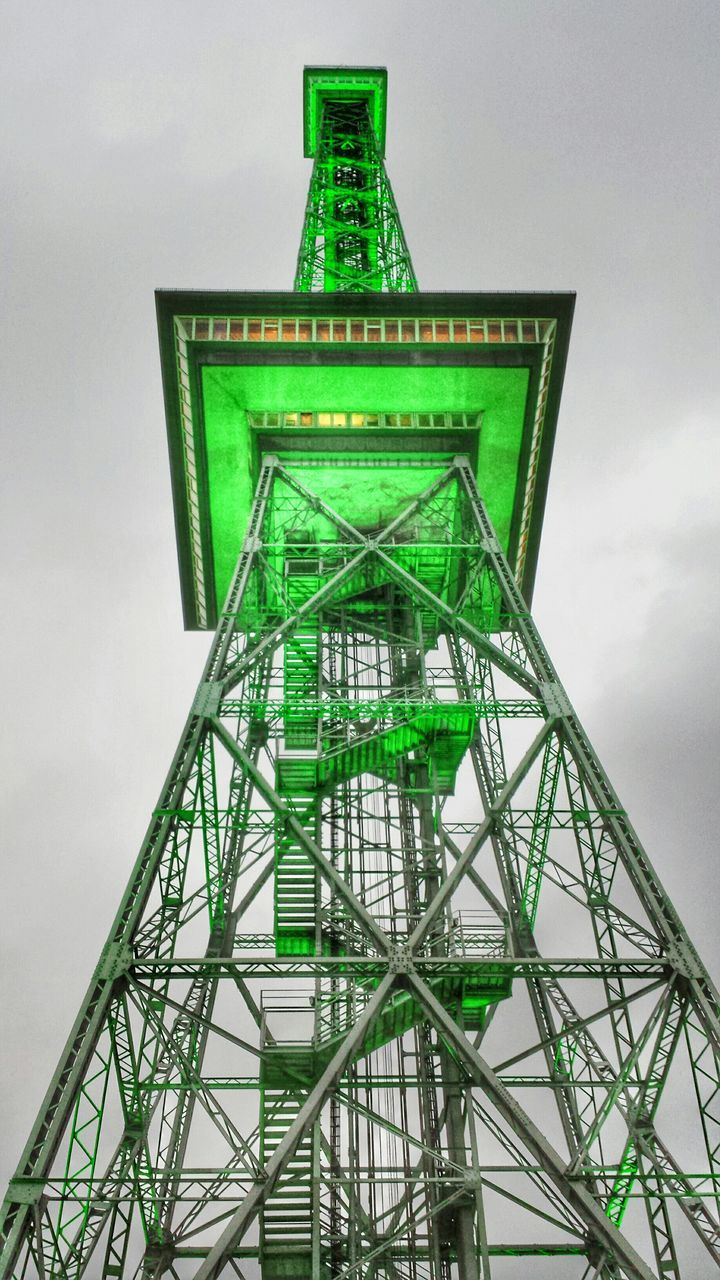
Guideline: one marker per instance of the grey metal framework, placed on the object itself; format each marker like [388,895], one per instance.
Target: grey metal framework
[449,1081]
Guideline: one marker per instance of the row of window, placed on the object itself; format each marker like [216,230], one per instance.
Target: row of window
[343,419]
[296,329]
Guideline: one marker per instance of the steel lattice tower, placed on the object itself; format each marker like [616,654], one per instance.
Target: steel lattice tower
[352,239]
[393,990]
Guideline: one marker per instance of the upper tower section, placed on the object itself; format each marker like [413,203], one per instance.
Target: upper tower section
[352,239]
[354,377]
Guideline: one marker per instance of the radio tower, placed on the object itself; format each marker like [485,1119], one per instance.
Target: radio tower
[393,990]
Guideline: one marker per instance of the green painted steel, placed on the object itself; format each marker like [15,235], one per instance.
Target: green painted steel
[352,239]
[344,376]
[353,84]
[394,990]
[376,494]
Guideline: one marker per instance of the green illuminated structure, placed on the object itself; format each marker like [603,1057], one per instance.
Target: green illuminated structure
[393,990]
[352,239]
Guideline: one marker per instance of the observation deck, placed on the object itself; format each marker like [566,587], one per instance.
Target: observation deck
[344,382]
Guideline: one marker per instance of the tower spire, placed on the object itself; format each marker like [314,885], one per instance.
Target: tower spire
[352,239]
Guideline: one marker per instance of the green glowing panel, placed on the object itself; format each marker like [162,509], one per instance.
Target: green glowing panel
[349,84]
[229,393]
[493,364]
[368,497]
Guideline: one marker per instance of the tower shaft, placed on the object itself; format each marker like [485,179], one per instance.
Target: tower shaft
[352,238]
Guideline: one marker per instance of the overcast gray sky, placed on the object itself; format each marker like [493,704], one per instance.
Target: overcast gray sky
[531,146]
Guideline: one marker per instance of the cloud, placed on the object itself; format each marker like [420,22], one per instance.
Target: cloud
[134,109]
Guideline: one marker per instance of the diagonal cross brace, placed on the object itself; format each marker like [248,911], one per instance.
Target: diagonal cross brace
[319,504]
[599,1227]
[526,679]
[463,863]
[646,882]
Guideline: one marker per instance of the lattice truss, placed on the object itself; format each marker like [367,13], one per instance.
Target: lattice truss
[352,239]
[393,990]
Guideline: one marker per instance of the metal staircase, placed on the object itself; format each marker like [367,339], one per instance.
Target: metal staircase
[286,1074]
